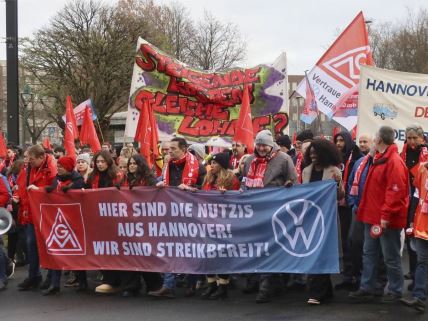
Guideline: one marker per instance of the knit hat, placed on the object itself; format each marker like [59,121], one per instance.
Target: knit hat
[305,135]
[222,159]
[284,140]
[84,157]
[67,162]
[199,150]
[264,137]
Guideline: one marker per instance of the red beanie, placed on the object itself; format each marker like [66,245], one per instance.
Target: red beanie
[67,162]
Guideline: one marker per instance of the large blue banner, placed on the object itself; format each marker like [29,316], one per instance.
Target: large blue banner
[168,230]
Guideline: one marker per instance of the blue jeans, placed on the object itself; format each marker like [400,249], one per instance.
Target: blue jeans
[169,280]
[33,255]
[389,243]
[421,273]
[3,262]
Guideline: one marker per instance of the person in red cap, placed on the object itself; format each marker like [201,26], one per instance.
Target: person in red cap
[66,179]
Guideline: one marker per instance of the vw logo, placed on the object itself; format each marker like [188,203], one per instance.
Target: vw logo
[298,227]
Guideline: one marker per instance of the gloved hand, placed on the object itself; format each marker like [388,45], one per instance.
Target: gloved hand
[65,188]
[49,189]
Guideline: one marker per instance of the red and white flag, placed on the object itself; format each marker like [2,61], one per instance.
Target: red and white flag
[244,125]
[338,71]
[143,134]
[310,110]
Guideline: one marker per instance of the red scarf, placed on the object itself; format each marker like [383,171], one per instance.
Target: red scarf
[257,170]
[2,164]
[234,161]
[423,154]
[62,184]
[346,172]
[356,183]
[190,171]
[299,161]
[96,180]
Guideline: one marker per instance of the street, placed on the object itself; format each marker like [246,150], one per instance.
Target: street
[291,305]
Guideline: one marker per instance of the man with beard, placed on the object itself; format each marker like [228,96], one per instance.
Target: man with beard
[268,167]
[238,150]
[350,154]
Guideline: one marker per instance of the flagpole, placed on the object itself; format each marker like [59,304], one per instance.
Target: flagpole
[101,132]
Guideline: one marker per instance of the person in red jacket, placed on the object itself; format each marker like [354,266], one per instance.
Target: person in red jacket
[5,193]
[40,173]
[384,204]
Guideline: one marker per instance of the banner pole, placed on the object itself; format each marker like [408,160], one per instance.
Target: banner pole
[101,132]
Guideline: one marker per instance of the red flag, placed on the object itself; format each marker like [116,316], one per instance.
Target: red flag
[354,133]
[310,110]
[143,134]
[47,143]
[244,125]
[88,134]
[3,147]
[70,132]
[71,117]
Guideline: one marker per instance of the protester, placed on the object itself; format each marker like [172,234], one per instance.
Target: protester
[365,141]
[420,229]
[219,178]
[267,167]
[40,173]
[66,179]
[238,150]
[350,153]
[138,174]
[414,153]
[16,235]
[303,137]
[59,152]
[184,171]
[384,205]
[83,165]
[123,165]
[284,143]
[105,174]
[322,158]
[8,161]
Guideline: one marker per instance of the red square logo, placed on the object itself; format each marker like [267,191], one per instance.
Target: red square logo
[63,229]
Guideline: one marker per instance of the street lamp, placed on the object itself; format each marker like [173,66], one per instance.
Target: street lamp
[26,97]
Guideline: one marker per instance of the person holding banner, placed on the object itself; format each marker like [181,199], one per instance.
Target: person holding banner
[184,171]
[138,174]
[414,153]
[105,174]
[219,178]
[267,167]
[383,210]
[322,158]
[66,179]
[238,150]
[83,165]
[350,153]
[40,173]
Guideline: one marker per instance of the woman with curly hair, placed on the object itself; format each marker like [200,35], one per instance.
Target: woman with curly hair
[322,158]
[138,173]
[219,178]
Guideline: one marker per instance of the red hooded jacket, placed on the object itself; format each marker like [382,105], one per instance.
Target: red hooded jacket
[386,192]
[40,177]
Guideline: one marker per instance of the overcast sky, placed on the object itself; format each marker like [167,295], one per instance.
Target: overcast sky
[301,28]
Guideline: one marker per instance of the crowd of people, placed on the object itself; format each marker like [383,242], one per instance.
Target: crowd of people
[381,193]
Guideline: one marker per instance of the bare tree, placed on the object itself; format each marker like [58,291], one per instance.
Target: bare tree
[84,53]
[402,46]
[216,46]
